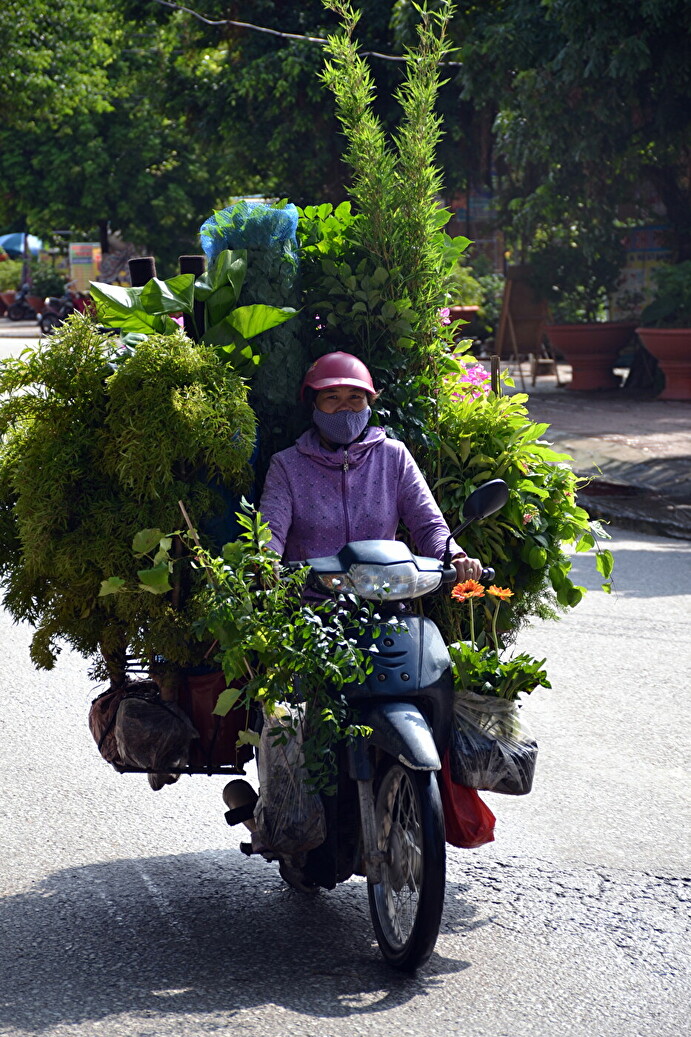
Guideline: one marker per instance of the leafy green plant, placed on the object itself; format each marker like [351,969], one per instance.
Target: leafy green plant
[382,293]
[227,326]
[577,273]
[10,275]
[98,441]
[275,646]
[483,436]
[46,280]
[480,668]
[671,307]
[483,671]
[464,289]
[267,234]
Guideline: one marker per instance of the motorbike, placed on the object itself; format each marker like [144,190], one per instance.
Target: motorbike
[57,309]
[385,819]
[20,309]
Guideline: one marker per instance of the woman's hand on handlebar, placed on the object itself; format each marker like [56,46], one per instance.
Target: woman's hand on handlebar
[467,568]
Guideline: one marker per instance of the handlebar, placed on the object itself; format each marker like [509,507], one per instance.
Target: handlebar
[487,575]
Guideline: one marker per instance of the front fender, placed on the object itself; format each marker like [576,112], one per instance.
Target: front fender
[399,729]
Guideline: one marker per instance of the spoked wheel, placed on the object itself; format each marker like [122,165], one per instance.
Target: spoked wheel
[406,905]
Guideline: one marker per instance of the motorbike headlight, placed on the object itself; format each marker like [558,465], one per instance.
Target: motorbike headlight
[334,582]
[383,582]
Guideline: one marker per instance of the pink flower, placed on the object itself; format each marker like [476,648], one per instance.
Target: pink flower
[473,379]
[444,315]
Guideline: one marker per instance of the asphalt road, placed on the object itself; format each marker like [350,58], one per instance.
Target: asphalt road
[128,912]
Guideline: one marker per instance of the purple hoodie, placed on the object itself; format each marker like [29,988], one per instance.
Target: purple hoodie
[315,500]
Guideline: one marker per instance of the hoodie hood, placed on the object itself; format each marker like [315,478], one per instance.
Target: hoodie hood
[311,446]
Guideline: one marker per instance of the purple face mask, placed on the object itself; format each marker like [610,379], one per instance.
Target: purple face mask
[344,426]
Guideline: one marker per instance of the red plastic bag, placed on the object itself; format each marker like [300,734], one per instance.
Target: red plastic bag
[469,822]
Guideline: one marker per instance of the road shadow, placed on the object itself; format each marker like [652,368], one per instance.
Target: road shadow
[206,933]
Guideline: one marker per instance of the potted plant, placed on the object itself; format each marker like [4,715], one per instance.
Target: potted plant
[465,295]
[666,329]
[45,281]
[577,278]
[10,280]
[489,748]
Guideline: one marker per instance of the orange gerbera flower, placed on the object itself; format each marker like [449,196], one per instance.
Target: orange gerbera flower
[467,590]
[500,592]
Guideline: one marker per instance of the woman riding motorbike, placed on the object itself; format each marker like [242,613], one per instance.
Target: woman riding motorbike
[344,480]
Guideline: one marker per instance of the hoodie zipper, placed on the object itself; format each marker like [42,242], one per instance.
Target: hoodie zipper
[344,473]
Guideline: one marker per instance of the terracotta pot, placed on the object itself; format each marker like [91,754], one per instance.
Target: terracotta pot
[37,303]
[671,347]
[8,298]
[463,312]
[217,742]
[592,350]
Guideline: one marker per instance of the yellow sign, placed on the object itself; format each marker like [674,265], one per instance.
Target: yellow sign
[85,264]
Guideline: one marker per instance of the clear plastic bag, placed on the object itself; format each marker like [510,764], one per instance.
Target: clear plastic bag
[153,735]
[290,817]
[490,747]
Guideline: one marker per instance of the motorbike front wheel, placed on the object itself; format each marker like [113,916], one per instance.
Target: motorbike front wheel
[49,322]
[406,906]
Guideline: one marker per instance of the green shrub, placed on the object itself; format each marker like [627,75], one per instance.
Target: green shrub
[377,281]
[385,274]
[487,436]
[464,289]
[45,280]
[671,307]
[10,275]
[97,446]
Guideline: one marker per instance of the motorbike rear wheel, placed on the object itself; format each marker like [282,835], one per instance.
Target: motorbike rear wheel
[406,906]
[20,311]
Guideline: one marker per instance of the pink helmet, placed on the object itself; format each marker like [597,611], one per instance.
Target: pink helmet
[337,369]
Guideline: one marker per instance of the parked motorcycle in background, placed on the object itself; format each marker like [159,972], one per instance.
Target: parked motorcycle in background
[20,309]
[58,309]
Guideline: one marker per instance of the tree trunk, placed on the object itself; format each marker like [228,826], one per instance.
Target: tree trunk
[103,236]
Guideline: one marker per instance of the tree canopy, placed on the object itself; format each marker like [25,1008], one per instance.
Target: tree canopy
[592,106]
[143,117]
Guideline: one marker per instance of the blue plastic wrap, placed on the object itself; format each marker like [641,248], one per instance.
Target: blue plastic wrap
[250,225]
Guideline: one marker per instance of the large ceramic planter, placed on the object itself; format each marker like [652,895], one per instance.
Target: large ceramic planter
[37,303]
[671,347]
[8,298]
[468,313]
[592,350]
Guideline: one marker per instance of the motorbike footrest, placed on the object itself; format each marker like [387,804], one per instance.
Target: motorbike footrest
[239,814]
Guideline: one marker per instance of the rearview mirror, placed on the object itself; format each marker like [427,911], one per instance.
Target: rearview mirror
[483,501]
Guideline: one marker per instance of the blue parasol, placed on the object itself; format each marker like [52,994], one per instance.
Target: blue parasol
[14,244]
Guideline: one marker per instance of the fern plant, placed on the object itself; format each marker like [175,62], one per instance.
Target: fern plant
[97,444]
